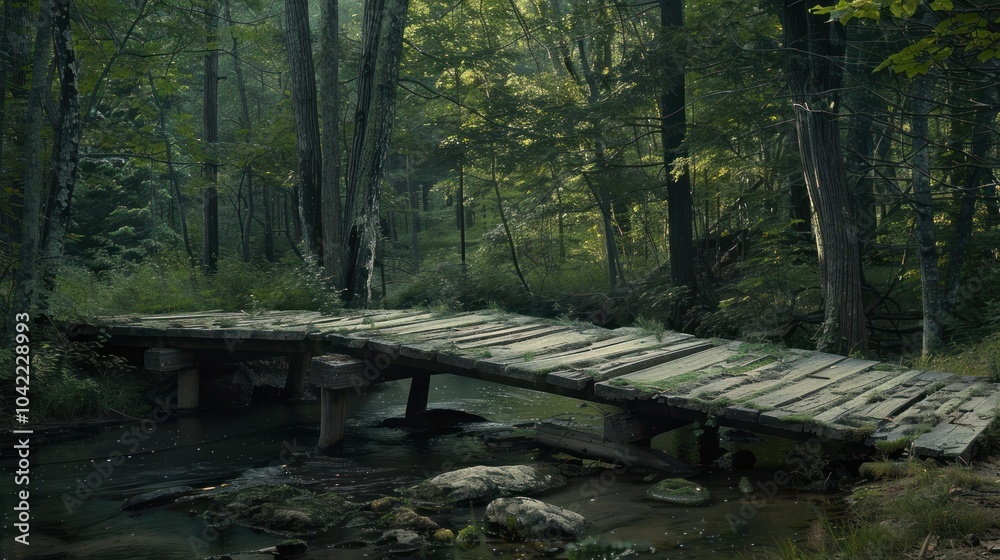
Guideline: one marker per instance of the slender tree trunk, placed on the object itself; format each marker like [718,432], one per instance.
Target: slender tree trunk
[268,224]
[332,211]
[247,125]
[599,188]
[65,145]
[369,164]
[210,107]
[460,209]
[414,194]
[674,128]
[977,172]
[26,288]
[932,297]
[506,225]
[813,48]
[306,114]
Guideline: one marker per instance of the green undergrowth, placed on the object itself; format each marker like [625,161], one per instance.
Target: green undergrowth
[71,382]
[171,283]
[908,502]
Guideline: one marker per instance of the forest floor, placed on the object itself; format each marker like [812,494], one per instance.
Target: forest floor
[914,509]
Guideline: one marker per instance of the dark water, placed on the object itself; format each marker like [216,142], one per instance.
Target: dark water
[75,500]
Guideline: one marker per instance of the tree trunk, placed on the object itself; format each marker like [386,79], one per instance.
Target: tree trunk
[976,173]
[599,188]
[411,189]
[247,126]
[26,290]
[331,210]
[506,226]
[65,145]
[268,224]
[813,48]
[932,297]
[210,107]
[306,115]
[674,128]
[369,159]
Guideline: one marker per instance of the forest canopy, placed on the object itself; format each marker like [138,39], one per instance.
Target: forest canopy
[818,174]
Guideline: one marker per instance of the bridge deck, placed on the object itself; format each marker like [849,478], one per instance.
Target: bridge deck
[759,387]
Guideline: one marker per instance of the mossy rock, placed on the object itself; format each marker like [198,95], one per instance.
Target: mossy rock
[468,536]
[279,509]
[679,492]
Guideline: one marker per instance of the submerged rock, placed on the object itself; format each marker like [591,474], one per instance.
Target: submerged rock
[480,484]
[406,518]
[279,509]
[156,498]
[745,487]
[400,541]
[680,492]
[528,519]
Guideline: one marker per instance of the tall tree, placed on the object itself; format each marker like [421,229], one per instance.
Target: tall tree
[814,51]
[382,48]
[932,296]
[307,139]
[26,288]
[210,120]
[65,145]
[330,203]
[674,127]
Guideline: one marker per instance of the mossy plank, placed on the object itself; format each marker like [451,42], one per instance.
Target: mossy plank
[811,383]
[661,373]
[865,399]
[680,348]
[604,350]
[838,393]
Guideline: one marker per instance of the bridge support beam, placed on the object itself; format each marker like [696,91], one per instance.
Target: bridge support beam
[708,444]
[416,402]
[188,388]
[333,417]
[298,369]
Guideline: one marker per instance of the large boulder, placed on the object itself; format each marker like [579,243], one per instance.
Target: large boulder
[481,484]
[679,492]
[528,519]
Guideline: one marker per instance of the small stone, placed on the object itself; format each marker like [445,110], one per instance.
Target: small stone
[528,519]
[745,487]
[444,535]
[680,492]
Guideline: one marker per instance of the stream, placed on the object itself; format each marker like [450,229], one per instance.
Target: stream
[75,500]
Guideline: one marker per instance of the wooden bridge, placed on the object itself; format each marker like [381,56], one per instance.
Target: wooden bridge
[661,380]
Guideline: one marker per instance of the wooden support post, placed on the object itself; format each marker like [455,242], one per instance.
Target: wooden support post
[640,429]
[333,416]
[708,444]
[298,368]
[416,402]
[188,381]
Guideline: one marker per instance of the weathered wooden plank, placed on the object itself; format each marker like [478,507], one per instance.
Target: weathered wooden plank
[782,373]
[680,348]
[958,435]
[868,398]
[657,375]
[436,325]
[576,380]
[500,357]
[602,350]
[837,393]
[167,359]
[334,371]
[497,331]
[812,383]
[513,338]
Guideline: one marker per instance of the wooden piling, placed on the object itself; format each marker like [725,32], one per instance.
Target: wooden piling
[295,381]
[188,388]
[333,416]
[416,402]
